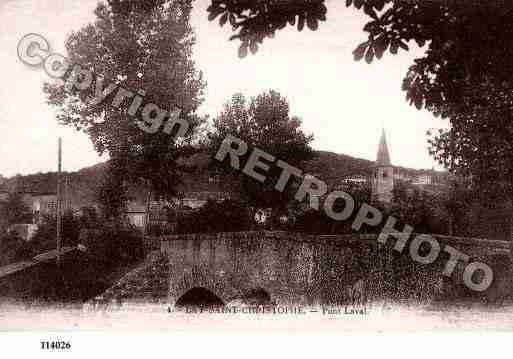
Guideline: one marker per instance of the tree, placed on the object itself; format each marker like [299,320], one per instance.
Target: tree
[417,208]
[257,20]
[13,210]
[391,21]
[263,122]
[141,47]
[361,193]
[13,248]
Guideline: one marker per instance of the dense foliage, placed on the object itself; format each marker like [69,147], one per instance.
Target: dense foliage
[45,237]
[214,217]
[422,210]
[14,210]
[262,122]
[112,192]
[307,220]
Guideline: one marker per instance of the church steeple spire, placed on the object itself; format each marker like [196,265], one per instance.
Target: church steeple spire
[383,158]
[383,184]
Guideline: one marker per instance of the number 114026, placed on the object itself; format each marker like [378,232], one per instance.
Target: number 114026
[55,345]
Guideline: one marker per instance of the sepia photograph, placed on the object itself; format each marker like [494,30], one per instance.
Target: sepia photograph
[264,167]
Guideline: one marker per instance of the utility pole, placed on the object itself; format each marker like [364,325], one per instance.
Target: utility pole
[67,203]
[59,219]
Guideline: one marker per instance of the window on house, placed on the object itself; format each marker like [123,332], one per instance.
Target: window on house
[214,179]
[52,207]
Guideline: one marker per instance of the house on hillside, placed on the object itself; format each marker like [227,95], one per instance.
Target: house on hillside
[136,214]
[424,178]
[203,184]
[159,209]
[383,181]
[431,180]
[42,205]
[198,186]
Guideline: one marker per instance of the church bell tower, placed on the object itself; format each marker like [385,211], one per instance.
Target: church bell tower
[383,179]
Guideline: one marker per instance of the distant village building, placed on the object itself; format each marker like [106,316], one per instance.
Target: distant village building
[136,214]
[200,185]
[383,180]
[25,231]
[195,190]
[42,205]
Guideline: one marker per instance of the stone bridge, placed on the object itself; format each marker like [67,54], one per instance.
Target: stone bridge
[287,268]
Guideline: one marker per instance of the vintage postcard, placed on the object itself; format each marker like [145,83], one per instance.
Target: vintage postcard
[256,166]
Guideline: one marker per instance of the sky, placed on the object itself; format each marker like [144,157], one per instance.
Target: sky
[344,103]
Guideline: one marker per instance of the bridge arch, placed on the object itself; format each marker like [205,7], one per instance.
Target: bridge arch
[202,285]
[201,277]
[257,296]
[199,297]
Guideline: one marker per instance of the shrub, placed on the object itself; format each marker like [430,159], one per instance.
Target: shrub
[45,237]
[112,246]
[107,245]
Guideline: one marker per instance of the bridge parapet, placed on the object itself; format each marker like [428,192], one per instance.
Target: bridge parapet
[298,268]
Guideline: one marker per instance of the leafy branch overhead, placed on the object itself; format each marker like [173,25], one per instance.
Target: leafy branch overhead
[444,25]
[256,20]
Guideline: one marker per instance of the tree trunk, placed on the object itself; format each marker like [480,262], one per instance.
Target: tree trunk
[147,219]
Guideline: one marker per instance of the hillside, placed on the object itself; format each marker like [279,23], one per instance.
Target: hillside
[331,167]
[82,185]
